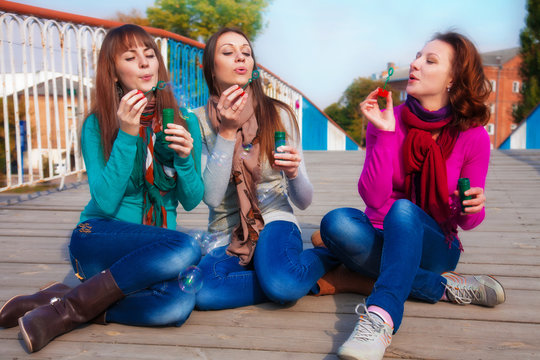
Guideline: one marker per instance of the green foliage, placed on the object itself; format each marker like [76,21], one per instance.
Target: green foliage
[530,67]
[134,16]
[202,18]
[346,113]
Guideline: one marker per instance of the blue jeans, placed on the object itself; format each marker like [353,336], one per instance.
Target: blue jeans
[281,271]
[145,262]
[406,258]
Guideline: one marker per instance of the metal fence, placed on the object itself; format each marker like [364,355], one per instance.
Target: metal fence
[47,69]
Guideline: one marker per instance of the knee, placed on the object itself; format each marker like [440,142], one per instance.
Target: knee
[343,227]
[281,288]
[188,250]
[176,311]
[334,222]
[402,211]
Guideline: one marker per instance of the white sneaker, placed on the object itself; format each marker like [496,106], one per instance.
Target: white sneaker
[473,289]
[369,339]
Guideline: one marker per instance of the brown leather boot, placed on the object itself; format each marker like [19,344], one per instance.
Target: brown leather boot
[19,305]
[78,306]
[343,280]
[316,239]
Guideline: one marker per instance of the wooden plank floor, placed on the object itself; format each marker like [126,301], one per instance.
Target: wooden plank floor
[34,234]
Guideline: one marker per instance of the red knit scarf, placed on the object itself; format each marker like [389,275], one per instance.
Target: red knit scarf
[425,167]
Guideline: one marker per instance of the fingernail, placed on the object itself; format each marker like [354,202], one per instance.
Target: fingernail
[243,93]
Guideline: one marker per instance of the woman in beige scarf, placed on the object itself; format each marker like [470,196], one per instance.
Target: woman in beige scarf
[248,186]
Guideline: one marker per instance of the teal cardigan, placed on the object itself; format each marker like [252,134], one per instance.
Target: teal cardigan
[113,194]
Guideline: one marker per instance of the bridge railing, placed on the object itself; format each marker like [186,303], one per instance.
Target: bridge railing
[47,68]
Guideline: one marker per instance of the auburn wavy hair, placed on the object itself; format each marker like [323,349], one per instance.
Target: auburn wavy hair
[105,95]
[266,108]
[470,89]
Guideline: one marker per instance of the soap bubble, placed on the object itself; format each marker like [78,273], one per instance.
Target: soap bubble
[246,150]
[264,197]
[190,280]
[219,158]
[206,240]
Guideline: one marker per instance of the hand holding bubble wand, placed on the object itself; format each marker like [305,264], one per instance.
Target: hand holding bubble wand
[383,92]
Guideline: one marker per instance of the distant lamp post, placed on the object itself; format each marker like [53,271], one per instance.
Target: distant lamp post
[497,86]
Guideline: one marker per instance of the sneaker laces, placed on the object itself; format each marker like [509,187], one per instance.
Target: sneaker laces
[368,322]
[463,294]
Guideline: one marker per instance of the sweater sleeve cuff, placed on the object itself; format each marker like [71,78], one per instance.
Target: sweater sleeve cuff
[183,162]
[124,137]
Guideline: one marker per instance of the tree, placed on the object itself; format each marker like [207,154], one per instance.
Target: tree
[346,112]
[530,67]
[134,16]
[201,18]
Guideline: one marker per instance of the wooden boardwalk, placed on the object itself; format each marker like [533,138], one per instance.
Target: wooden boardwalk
[34,235]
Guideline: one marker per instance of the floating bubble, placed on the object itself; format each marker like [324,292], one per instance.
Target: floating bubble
[207,240]
[219,158]
[264,197]
[190,280]
[197,234]
[246,150]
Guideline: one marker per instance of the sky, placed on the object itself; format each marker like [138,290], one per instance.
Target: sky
[321,46]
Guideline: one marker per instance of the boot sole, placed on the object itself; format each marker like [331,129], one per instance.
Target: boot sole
[26,339]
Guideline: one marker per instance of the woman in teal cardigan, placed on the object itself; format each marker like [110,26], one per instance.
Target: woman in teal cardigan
[125,249]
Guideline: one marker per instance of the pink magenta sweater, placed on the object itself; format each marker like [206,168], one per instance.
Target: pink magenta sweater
[383,177]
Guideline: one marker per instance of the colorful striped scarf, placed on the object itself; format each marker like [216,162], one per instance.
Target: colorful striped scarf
[158,176]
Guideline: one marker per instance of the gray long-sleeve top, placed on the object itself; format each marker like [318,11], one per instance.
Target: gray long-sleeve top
[273,191]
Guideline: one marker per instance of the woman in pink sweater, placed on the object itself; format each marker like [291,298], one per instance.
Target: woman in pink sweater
[415,154]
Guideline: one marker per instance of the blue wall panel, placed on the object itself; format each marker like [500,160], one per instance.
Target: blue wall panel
[350,145]
[533,129]
[314,128]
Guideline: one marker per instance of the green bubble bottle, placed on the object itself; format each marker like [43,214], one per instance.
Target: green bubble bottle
[279,140]
[464,185]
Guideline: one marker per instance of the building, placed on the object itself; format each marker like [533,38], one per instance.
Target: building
[502,70]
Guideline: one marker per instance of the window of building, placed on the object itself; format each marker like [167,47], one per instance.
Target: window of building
[515,86]
[492,108]
[493,85]
[490,129]
[513,127]
[402,95]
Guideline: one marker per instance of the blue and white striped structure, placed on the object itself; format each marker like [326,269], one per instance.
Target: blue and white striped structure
[527,134]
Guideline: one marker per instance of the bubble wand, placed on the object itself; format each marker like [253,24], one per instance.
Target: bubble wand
[159,86]
[254,76]
[383,92]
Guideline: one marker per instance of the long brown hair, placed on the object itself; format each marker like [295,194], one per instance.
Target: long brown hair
[470,89]
[105,96]
[266,107]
